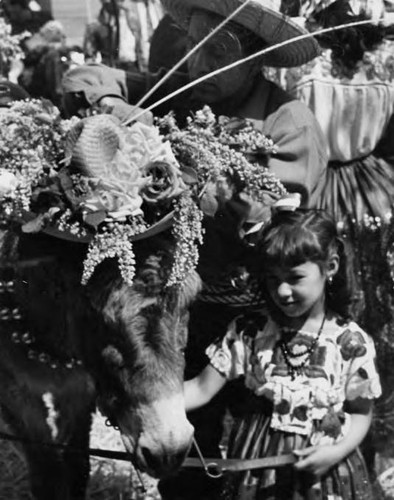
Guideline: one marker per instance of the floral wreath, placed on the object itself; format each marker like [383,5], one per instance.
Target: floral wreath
[97,181]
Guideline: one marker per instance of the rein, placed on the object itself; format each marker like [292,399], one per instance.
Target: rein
[213,467]
[216,467]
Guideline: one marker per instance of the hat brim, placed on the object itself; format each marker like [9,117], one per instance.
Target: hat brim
[271,26]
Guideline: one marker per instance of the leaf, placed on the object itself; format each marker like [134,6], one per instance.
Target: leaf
[208,202]
[260,211]
[189,175]
[94,219]
[35,225]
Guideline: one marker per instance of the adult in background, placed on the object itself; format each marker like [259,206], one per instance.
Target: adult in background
[122,33]
[46,60]
[242,92]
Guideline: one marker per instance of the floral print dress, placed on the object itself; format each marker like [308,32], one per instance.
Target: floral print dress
[295,411]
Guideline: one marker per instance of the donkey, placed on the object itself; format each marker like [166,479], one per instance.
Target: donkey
[66,348]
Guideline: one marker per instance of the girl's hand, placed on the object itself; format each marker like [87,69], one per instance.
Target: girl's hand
[317,459]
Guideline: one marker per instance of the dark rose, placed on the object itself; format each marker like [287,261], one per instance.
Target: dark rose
[300,413]
[363,373]
[352,344]
[166,181]
[331,424]
[283,408]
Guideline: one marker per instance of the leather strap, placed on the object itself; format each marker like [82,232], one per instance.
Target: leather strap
[236,464]
[219,464]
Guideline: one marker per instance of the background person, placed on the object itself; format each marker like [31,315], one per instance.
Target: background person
[122,33]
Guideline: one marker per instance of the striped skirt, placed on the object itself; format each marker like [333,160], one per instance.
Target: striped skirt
[252,437]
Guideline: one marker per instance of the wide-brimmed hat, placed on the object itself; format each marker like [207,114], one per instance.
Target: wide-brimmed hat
[263,18]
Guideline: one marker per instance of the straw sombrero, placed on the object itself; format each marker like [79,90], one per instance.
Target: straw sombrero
[262,18]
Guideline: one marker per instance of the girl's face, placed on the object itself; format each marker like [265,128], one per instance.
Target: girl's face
[299,290]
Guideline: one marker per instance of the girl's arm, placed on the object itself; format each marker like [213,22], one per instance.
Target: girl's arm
[319,459]
[201,389]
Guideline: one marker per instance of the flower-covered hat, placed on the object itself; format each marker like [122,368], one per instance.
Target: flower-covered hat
[102,183]
[263,18]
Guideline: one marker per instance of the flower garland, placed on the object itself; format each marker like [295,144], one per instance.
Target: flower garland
[224,148]
[97,181]
[31,148]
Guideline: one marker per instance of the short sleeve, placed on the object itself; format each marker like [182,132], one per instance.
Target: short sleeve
[359,356]
[301,158]
[230,355]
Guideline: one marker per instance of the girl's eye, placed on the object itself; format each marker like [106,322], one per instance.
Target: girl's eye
[294,279]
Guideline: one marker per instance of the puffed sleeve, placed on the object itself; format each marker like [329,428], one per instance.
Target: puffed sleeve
[362,384]
[230,355]
[301,158]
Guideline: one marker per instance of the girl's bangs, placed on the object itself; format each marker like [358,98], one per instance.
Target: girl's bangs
[291,247]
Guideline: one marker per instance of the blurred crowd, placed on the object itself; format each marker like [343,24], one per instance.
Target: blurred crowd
[119,37]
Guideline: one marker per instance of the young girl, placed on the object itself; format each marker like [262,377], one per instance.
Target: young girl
[311,369]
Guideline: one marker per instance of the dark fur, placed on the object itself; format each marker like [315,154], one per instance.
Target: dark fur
[130,341]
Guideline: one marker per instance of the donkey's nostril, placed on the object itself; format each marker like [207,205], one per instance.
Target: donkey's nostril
[178,458]
[151,460]
[163,464]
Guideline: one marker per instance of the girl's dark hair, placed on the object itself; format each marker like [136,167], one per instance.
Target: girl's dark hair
[293,238]
[347,45]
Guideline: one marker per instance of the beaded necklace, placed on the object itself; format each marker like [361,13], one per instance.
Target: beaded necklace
[293,359]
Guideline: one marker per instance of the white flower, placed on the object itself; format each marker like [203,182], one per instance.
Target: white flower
[8,183]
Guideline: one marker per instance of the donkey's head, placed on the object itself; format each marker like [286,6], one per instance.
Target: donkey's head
[138,367]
